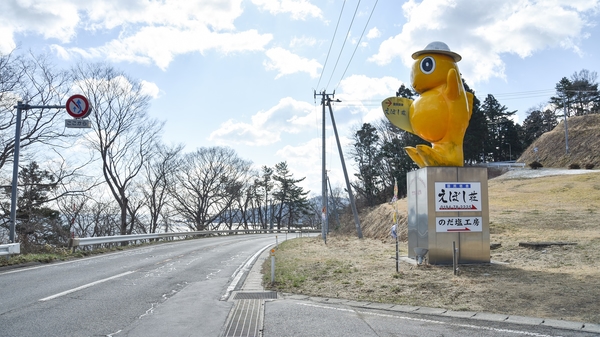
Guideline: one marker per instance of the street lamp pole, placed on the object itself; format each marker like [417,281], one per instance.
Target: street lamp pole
[13,195]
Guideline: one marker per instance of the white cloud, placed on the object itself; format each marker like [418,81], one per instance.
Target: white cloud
[298,9]
[60,51]
[373,33]
[57,21]
[120,81]
[305,160]
[6,42]
[150,89]
[363,88]
[266,127]
[287,63]
[219,15]
[160,45]
[302,42]
[362,95]
[481,35]
[148,31]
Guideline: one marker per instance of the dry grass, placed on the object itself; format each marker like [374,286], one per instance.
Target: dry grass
[584,141]
[560,282]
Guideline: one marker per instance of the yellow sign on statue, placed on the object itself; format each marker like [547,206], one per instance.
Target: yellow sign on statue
[441,114]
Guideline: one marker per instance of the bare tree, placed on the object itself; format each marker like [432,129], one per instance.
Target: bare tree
[206,184]
[123,132]
[73,209]
[241,210]
[135,209]
[32,80]
[88,217]
[104,217]
[158,175]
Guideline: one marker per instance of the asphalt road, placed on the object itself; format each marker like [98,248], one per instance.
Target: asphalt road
[182,288]
[110,295]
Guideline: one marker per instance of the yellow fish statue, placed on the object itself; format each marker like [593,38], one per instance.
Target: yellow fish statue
[441,114]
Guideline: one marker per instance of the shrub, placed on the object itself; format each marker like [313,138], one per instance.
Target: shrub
[535,165]
[589,166]
[574,166]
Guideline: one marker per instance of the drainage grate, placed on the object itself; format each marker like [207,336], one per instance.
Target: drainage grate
[266,295]
[246,319]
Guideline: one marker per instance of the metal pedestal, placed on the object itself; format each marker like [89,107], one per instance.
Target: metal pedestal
[449,205]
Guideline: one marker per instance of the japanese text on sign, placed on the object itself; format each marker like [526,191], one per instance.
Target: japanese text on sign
[396,111]
[78,123]
[458,197]
[396,106]
[458,224]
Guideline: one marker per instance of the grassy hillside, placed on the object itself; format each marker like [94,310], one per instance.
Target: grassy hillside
[584,144]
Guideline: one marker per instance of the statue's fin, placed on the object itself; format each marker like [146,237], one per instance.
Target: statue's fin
[453,85]
[396,109]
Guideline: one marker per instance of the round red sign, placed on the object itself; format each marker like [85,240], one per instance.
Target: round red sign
[78,106]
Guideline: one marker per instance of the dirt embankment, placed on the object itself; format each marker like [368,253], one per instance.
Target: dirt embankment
[583,139]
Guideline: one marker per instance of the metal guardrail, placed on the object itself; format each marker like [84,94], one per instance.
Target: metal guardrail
[77,242]
[506,164]
[10,249]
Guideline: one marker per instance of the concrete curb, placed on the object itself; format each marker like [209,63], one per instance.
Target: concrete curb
[484,316]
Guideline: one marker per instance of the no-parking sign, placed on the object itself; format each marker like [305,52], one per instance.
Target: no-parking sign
[78,106]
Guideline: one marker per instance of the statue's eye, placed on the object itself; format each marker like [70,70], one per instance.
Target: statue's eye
[428,65]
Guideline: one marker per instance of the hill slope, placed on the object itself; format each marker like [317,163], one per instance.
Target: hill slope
[532,204]
[584,144]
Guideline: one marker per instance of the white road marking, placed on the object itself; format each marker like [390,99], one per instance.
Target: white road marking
[470,326]
[84,286]
[237,275]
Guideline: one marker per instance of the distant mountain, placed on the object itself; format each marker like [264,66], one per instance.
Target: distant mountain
[584,144]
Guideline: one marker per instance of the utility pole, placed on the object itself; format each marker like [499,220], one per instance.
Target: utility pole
[324,218]
[326,101]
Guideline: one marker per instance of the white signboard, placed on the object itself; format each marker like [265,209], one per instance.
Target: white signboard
[465,224]
[458,197]
[78,123]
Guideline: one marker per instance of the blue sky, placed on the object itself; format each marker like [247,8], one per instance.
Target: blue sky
[242,73]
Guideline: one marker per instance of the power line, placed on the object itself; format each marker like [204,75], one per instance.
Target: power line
[523,94]
[357,44]
[331,44]
[343,44]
